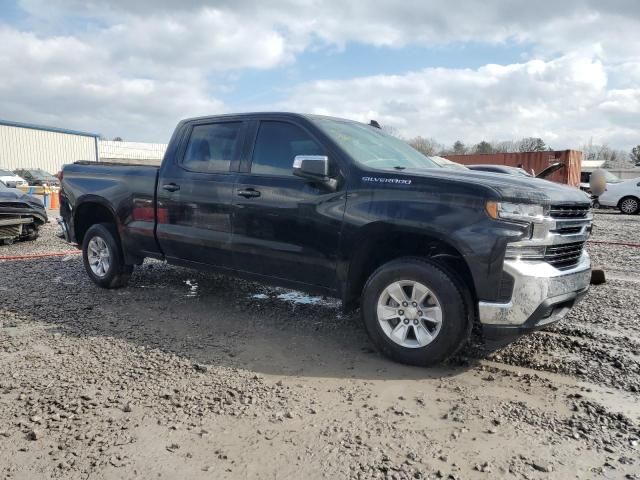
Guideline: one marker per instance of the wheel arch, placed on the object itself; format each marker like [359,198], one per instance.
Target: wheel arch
[90,212]
[385,243]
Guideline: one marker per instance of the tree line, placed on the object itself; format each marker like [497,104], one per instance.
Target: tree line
[430,146]
[614,158]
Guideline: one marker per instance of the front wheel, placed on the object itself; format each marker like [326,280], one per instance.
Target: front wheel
[629,205]
[415,312]
[103,259]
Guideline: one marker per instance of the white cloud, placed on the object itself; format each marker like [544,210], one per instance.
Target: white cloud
[588,26]
[565,101]
[62,81]
[132,68]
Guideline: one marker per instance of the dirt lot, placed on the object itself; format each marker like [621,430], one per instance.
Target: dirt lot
[188,375]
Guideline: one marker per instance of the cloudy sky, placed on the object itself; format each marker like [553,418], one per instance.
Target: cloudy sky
[567,71]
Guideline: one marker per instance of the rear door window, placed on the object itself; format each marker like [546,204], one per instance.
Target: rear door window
[212,147]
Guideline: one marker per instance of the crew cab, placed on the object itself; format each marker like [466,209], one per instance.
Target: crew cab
[340,208]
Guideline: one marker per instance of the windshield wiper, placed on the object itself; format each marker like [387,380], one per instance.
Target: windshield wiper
[398,167]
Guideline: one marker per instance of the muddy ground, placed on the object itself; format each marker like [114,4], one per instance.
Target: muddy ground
[189,375]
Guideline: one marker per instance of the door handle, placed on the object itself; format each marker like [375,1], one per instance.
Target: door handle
[249,193]
[171,187]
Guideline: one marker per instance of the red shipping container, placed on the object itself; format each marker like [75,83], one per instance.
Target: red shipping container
[536,161]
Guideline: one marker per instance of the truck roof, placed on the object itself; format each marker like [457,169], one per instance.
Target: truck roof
[264,114]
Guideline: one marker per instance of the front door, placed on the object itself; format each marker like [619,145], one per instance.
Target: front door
[195,192]
[284,226]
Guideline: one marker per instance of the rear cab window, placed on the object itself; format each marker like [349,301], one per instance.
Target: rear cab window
[212,147]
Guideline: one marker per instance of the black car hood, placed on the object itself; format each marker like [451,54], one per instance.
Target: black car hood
[16,202]
[508,187]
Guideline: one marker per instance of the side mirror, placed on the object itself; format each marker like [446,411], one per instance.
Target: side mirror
[314,168]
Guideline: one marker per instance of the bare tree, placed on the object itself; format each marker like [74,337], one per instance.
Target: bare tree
[612,158]
[391,130]
[507,146]
[459,148]
[531,144]
[483,147]
[635,155]
[426,146]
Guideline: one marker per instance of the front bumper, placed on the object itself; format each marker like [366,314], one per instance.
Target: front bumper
[541,295]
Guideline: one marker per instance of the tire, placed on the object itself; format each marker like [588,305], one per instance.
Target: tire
[445,294]
[595,204]
[33,235]
[629,205]
[102,238]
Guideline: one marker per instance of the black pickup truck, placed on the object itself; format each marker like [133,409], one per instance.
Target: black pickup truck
[340,208]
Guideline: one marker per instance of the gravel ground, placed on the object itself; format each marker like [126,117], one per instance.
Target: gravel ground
[47,242]
[188,375]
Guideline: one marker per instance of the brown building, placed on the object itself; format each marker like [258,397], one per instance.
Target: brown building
[536,161]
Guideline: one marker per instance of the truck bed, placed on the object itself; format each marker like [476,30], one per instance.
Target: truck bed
[114,164]
[130,190]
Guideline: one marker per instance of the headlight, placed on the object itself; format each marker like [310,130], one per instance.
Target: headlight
[523,212]
[525,252]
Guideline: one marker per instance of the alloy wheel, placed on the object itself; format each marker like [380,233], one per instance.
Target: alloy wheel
[629,205]
[99,256]
[409,314]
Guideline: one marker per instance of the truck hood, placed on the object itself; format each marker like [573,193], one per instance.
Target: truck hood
[507,187]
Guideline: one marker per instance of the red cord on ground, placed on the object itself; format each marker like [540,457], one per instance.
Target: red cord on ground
[39,255]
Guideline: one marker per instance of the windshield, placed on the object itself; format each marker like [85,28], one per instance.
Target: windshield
[443,162]
[371,147]
[610,177]
[6,173]
[39,173]
[3,187]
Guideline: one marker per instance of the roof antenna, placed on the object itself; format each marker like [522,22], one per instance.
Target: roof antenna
[374,123]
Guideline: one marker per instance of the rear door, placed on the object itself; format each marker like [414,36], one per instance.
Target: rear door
[285,226]
[195,192]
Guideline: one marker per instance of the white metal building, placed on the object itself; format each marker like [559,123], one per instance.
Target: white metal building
[23,145]
[131,152]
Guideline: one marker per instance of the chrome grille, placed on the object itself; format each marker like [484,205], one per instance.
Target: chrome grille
[568,211]
[565,255]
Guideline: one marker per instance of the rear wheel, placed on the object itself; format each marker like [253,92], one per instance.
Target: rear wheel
[103,259]
[629,205]
[415,312]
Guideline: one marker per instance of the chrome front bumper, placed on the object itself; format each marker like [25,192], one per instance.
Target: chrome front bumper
[541,295]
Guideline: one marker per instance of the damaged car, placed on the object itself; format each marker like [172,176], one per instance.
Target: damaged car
[21,215]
